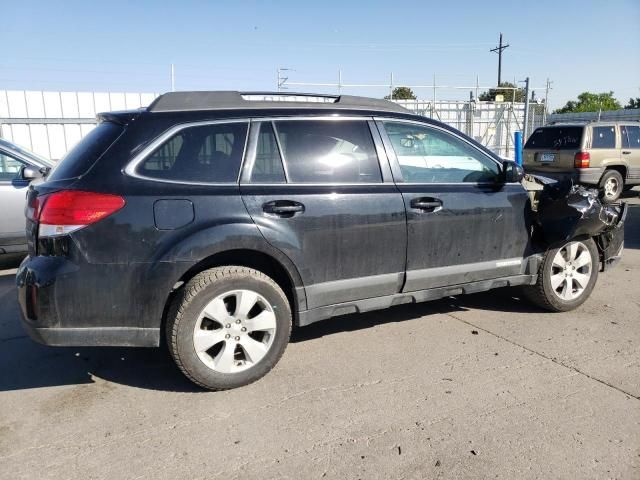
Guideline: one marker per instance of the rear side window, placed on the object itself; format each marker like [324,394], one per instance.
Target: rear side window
[81,157]
[603,137]
[556,138]
[203,154]
[325,151]
[630,136]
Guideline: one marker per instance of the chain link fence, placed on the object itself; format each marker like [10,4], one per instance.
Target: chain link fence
[493,124]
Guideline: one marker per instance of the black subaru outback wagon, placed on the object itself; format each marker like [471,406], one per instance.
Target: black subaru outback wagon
[215,221]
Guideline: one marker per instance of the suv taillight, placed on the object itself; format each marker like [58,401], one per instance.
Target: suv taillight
[66,211]
[581,160]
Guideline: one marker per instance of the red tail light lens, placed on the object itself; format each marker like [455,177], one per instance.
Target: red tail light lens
[63,212]
[581,160]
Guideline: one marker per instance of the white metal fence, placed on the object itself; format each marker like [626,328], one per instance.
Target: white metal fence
[50,123]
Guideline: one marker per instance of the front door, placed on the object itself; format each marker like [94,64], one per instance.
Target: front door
[318,192]
[12,198]
[464,225]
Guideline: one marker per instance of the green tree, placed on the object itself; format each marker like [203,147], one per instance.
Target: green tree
[591,102]
[633,103]
[401,93]
[505,89]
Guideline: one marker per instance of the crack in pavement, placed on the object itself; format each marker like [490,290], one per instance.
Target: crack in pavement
[557,362]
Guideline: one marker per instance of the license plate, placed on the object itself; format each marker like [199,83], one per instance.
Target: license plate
[548,157]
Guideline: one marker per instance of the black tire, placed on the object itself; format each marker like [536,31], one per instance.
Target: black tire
[542,293]
[611,177]
[185,312]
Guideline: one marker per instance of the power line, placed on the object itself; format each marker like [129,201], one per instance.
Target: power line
[499,50]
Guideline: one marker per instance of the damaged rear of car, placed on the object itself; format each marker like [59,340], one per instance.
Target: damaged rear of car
[573,227]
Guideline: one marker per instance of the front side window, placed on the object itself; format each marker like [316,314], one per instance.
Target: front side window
[9,168]
[427,155]
[603,137]
[203,154]
[630,136]
[325,151]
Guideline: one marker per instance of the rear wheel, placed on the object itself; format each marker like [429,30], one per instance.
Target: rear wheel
[228,327]
[611,185]
[566,277]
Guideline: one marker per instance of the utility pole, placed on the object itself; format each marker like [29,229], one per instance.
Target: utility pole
[173,78]
[499,50]
[282,79]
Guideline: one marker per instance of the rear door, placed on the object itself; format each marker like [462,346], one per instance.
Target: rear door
[319,192]
[604,148]
[12,198]
[630,152]
[464,225]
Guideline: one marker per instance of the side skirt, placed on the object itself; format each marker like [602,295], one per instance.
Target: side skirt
[308,317]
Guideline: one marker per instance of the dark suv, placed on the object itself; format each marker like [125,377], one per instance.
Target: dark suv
[216,220]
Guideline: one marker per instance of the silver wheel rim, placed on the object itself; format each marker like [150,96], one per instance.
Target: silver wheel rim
[571,271]
[234,331]
[611,187]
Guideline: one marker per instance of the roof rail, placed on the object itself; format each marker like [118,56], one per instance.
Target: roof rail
[221,100]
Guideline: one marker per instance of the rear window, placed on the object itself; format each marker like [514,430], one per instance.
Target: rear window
[81,157]
[556,138]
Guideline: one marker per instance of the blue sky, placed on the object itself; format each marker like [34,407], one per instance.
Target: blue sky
[129,46]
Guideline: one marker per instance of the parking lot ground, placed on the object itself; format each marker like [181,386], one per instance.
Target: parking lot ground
[482,386]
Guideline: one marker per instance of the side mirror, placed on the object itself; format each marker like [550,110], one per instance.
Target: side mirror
[512,172]
[30,173]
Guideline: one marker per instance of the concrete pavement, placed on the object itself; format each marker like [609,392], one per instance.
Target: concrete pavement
[468,387]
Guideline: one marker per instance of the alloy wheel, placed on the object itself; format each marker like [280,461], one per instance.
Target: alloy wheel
[611,188]
[234,331]
[571,271]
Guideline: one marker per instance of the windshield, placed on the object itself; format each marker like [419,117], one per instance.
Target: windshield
[556,138]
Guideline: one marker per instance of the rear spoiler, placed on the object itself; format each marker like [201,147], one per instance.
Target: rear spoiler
[121,118]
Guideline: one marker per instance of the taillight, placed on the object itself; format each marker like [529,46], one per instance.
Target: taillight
[66,211]
[581,160]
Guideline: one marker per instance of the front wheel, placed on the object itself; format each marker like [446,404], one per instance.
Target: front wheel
[228,327]
[566,277]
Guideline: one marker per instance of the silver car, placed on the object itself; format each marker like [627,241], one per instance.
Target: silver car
[17,168]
